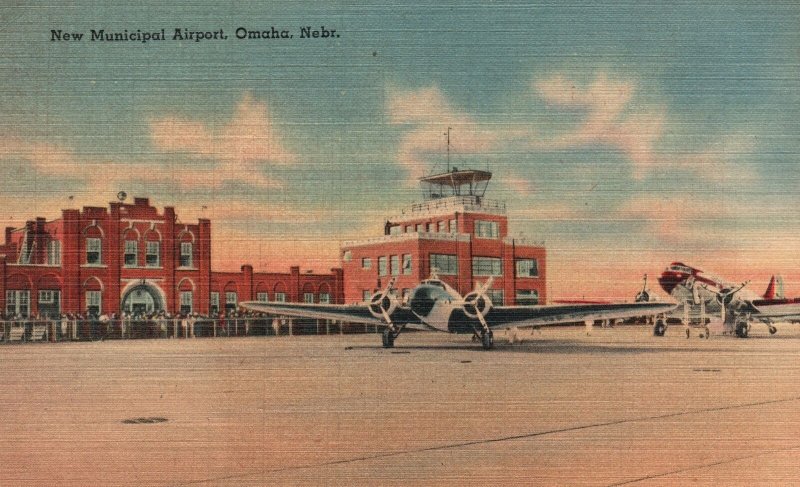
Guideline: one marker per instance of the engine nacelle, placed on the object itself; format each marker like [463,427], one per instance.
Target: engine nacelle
[382,304]
[477,304]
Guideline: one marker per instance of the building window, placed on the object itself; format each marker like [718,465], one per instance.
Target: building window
[527,297]
[214,303]
[382,266]
[395,230]
[420,228]
[324,298]
[153,254]
[443,226]
[407,264]
[54,252]
[527,268]
[26,251]
[47,297]
[230,302]
[485,229]
[308,297]
[347,256]
[131,248]
[18,302]
[487,266]
[186,302]
[366,263]
[430,227]
[280,297]
[453,226]
[496,295]
[366,294]
[262,297]
[93,303]
[49,302]
[444,264]
[93,255]
[409,228]
[395,265]
[186,254]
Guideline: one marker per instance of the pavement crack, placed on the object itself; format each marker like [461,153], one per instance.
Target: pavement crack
[705,465]
[452,446]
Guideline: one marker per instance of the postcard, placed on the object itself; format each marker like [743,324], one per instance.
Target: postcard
[233,231]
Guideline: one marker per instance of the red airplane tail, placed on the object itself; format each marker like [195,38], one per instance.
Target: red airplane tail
[770,292]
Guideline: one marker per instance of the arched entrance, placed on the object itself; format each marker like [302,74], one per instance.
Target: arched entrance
[142,299]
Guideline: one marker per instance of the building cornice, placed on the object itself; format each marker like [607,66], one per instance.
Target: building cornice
[404,237]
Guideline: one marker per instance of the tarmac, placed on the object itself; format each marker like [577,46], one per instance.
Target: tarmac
[618,407]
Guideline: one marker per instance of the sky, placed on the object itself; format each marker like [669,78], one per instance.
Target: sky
[624,135]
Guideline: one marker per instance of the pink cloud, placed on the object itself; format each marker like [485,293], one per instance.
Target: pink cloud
[521,186]
[549,211]
[45,158]
[242,149]
[233,247]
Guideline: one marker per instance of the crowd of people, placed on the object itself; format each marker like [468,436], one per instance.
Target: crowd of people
[91,326]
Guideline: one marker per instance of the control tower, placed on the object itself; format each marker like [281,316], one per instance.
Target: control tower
[456,231]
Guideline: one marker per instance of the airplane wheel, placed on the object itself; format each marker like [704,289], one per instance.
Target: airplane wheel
[707,332]
[659,329]
[772,330]
[388,338]
[741,330]
[688,333]
[487,339]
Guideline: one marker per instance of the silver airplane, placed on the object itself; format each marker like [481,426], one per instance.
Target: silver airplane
[435,305]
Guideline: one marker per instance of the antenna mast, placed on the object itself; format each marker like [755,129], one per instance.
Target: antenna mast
[448,148]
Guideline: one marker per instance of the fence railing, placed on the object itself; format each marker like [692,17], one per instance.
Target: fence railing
[61,330]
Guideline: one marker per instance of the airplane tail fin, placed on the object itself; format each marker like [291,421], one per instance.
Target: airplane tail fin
[770,292]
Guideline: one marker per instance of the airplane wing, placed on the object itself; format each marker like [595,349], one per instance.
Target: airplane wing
[351,313]
[500,317]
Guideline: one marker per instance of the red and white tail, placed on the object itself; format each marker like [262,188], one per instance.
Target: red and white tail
[770,292]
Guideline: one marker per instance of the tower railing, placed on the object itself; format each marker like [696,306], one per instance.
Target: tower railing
[452,203]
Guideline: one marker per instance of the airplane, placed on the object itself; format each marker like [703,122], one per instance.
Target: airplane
[737,308]
[435,305]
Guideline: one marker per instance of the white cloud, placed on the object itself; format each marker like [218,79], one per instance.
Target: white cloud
[610,119]
[428,115]
[243,148]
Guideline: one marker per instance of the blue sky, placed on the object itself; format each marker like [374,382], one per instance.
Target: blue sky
[624,135]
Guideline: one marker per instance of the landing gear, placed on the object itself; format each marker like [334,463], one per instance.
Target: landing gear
[772,330]
[660,328]
[742,329]
[487,339]
[388,338]
[688,332]
[707,332]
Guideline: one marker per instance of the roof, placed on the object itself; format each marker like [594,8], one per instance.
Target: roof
[457,177]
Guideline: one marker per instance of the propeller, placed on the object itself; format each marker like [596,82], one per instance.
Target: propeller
[477,303]
[725,298]
[383,303]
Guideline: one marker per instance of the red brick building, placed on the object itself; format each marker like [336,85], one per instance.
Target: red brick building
[130,257]
[458,232]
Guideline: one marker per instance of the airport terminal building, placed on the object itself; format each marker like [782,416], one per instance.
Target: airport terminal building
[457,232]
[131,258]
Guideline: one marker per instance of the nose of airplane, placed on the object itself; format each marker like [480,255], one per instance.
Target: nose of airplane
[668,280]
